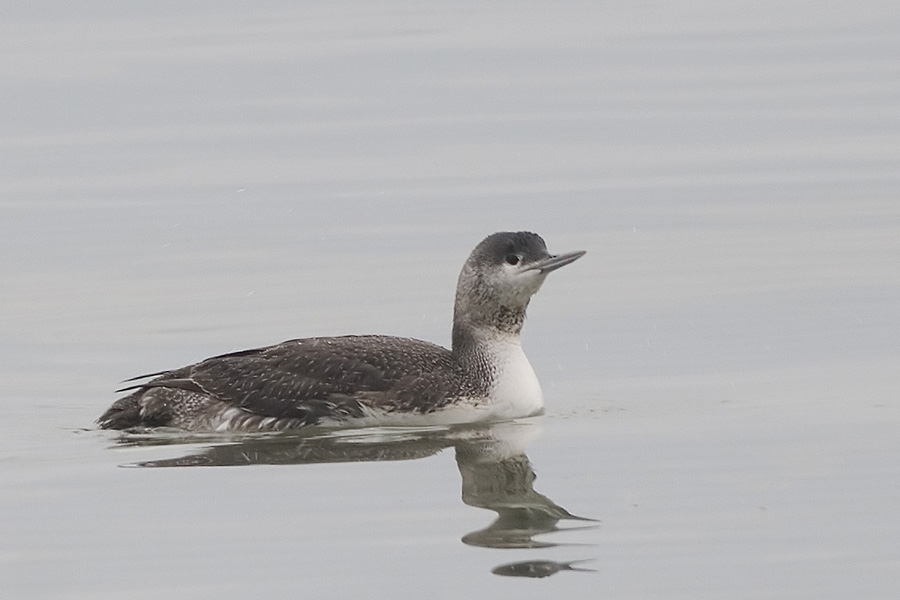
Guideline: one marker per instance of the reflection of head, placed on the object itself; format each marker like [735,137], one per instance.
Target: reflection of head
[538,568]
[497,477]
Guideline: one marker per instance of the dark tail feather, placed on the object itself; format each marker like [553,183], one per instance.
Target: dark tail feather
[123,414]
[145,376]
[175,383]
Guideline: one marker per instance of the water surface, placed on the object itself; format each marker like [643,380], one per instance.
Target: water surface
[720,371]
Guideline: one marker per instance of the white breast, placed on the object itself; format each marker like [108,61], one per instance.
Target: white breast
[516,391]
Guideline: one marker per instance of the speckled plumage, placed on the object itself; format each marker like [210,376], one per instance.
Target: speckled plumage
[367,379]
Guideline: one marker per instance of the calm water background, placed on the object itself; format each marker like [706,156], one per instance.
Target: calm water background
[721,370]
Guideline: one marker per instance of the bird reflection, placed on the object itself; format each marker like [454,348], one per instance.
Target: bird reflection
[496,473]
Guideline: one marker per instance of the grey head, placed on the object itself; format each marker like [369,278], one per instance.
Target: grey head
[498,280]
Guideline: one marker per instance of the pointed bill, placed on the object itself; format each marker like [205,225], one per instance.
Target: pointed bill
[551,263]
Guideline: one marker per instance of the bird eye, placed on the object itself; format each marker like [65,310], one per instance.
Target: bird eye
[512,259]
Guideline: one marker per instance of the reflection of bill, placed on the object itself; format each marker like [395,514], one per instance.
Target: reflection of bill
[538,568]
[496,474]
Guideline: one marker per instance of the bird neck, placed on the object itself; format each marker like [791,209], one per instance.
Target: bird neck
[475,333]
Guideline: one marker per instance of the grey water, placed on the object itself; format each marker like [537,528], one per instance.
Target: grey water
[721,370]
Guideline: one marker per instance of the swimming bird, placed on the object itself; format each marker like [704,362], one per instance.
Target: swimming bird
[361,380]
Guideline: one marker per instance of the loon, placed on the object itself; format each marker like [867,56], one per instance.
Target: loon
[355,381]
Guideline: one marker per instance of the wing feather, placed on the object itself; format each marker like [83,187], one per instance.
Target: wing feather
[315,377]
